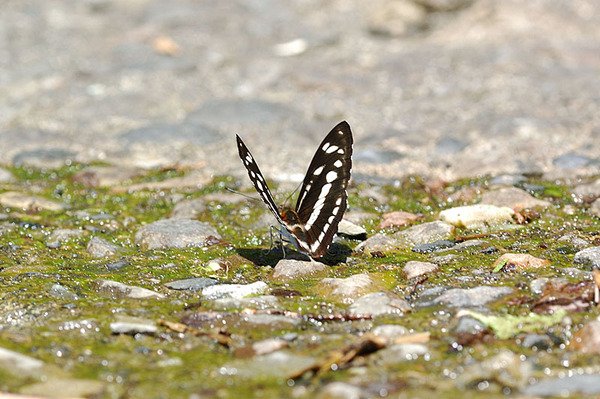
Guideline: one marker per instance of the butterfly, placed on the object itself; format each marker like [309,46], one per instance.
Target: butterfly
[322,199]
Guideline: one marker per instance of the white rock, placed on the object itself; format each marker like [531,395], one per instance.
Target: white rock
[476,216]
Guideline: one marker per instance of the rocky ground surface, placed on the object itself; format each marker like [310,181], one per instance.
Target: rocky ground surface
[468,260]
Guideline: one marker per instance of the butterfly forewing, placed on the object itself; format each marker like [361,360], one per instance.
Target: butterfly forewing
[257,178]
[322,199]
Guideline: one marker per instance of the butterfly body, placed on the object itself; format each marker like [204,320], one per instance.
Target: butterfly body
[322,200]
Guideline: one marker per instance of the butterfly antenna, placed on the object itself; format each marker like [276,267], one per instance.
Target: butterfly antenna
[292,193]
[231,190]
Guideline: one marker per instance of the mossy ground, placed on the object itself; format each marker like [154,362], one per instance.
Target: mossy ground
[34,322]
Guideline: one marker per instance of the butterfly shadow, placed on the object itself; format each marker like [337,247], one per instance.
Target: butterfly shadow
[337,253]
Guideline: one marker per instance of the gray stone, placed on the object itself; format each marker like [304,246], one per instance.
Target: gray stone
[444,259]
[571,160]
[397,18]
[272,320]
[586,384]
[279,364]
[27,202]
[351,230]
[100,248]
[290,269]
[105,176]
[468,325]
[376,243]
[235,291]
[269,345]
[537,285]
[537,341]
[130,291]
[589,258]
[507,180]
[595,208]
[59,236]
[348,288]
[415,268]
[62,292]
[398,353]
[438,245]
[378,303]
[175,233]
[472,297]
[506,369]
[588,190]
[17,363]
[425,233]
[132,326]
[574,240]
[257,302]
[477,216]
[389,332]
[56,387]
[191,284]
[512,197]
[117,265]
[6,176]
[341,390]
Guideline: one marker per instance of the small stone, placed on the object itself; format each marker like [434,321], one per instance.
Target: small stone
[188,209]
[350,230]
[507,180]
[341,390]
[130,291]
[574,240]
[589,258]
[62,292]
[518,262]
[425,233]
[290,269]
[132,326]
[444,259]
[191,284]
[469,244]
[65,388]
[255,302]
[537,341]
[571,160]
[100,248]
[506,369]
[587,340]
[105,176]
[398,219]
[279,364]
[28,203]
[595,208]
[275,321]
[175,233]
[236,291]
[589,191]
[59,236]
[378,303]
[348,288]
[468,325]
[513,198]
[397,18]
[269,345]
[117,265]
[415,268]
[538,285]
[586,384]
[19,364]
[398,353]
[389,332]
[477,216]
[377,243]
[472,297]
[6,176]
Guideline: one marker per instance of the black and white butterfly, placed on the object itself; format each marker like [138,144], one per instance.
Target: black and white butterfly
[310,227]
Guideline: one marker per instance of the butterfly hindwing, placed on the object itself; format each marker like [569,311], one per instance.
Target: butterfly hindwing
[323,199]
[257,178]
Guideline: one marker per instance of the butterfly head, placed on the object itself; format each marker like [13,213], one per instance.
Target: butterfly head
[289,215]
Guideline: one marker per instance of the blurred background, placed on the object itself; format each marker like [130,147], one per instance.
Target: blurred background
[440,88]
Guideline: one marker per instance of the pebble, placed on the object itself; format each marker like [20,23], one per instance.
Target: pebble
[574,240]
[514,198]
[589,191]
[519,262]
[191,284]
[269,345]
[586,384]
[571,160]
[117,265]
[235,291]
[415,268]
[130,291]
[290,269]
[132,326]
[175,233]
[505,369]
[65,388]
[537,285]
[275,321]
[62,292]
[507,180]
[347,288]
[341,390]
[256,302]
[397,18]
[6,176]
[389,332]
[105,176]
[588,258]
[539,342]
[433,246]
[468,325]
[17,363]
[595,208]
[26,202]
[398,353]
[350,230]
[378,303]
[425,233]
[477,216]
[471,297]
[188,209]
[279,364]
[444,259]
[59,236]
[377,243]
[587,340]
[100,248]
[397,219]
